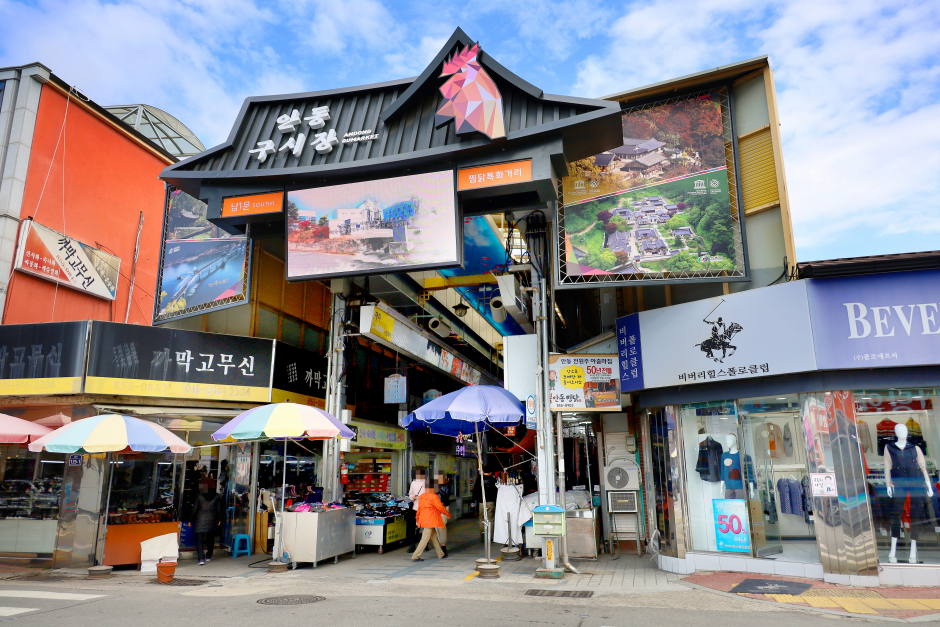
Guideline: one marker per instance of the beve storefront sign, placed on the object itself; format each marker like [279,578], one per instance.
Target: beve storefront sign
[869,321]
[876,320]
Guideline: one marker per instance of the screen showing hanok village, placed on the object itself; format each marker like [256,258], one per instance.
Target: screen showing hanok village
[658,207]
[373,227]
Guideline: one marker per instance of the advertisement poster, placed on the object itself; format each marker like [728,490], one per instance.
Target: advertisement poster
[824,484]
[755,333]
[203,267]
[731,530]
[373,227]
[134,360]
[876,320]
[658,207]
[42,358]
[396,389]
[583,382]
[55,257]
[299,376]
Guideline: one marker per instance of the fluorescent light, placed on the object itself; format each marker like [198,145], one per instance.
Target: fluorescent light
[164,463]
[866,398]
[781,398]
[51,461]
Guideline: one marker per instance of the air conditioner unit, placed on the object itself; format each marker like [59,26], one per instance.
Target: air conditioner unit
[622,474]
[623,502]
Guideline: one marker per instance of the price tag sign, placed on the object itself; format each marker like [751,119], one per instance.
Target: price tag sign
[731,528]
[824,484]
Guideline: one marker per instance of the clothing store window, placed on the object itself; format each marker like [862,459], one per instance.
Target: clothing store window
[719,479]
[780,501]
[664,475]
[900,440]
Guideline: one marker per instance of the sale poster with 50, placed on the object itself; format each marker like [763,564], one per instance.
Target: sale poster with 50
[731,530]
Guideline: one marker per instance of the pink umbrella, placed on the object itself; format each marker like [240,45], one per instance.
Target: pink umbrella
[55,421]
[18,431]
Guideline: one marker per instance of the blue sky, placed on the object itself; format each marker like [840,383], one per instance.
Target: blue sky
[857,80]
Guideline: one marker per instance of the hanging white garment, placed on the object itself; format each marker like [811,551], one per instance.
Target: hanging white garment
[508,503]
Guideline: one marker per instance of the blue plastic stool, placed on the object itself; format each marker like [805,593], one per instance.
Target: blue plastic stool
[241,545]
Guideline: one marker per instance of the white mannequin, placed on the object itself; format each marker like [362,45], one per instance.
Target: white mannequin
[731,441]
[900,431]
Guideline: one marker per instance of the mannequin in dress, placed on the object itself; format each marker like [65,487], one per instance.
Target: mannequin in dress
[905,474]
[732,479]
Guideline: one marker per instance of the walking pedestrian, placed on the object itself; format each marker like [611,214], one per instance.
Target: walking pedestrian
[205,521]
[430,511]
[443,493]
[414,493]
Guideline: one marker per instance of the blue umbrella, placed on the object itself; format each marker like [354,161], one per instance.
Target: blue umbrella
[469,410]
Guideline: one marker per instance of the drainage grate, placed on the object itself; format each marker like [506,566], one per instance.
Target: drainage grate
[577,594]
[829,592]
[182,582]
[291,599]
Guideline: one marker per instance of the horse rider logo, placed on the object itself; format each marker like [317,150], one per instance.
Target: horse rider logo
[720,339]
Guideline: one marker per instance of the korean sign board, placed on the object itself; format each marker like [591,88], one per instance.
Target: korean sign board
[55,257]
[492,175]
[299,376]
[396,389]
[39,359]
[134,360]
[374,435]
[257,204]
[583,382]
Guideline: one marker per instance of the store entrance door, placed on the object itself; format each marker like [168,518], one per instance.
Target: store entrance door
[782,523]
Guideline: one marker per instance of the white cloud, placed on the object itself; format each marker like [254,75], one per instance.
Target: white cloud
[410,60]
[336,27]
[857,85]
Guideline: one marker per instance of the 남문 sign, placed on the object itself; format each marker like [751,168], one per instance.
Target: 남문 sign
[253,205]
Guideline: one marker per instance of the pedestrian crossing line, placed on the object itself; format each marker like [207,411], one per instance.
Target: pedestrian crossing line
[43,594]
[933,604]
[13,611]
[879,604]
[855,606]
[908,604]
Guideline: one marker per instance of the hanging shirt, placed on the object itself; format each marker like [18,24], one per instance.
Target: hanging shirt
[787,441]
[783,489]
[796,496]
[731,470]
[915,436]
[807,499]
[774,440]
[864,436]
[509,506]
[709,460]
[886,434]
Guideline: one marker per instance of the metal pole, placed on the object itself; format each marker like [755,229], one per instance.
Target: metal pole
[546,452]
[130,292]
[561,490]
[280,535]
[486,518]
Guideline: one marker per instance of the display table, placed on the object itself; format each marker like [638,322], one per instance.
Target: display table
[380,532]
[122,542]
[310,537]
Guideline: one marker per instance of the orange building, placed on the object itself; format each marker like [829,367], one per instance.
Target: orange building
[77,169]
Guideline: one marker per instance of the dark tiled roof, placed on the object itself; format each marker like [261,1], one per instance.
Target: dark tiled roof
[685,230]
[646,233]
[651,159]
[603,160]
[654,245]
[874,264]
[618,241]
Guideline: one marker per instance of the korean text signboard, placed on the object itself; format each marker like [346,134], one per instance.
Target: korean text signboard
[42,358]
[396,389]
[299,376]
[134,360]
[492,175]
[583,382]
[377,436]
[630,353]
[53,256]
[877,320]
[824,483]
[731,531]
[756,333]
[252,205]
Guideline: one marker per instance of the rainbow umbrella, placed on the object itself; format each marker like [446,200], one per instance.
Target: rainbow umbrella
[110,433]
[283,420]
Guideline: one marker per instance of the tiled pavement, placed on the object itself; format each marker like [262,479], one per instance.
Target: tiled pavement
[903,603]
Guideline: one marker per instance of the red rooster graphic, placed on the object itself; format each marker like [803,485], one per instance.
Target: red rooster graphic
[470,96]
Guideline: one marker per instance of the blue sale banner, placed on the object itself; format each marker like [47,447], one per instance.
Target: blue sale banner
[731,530]
[630,353]
[876,320]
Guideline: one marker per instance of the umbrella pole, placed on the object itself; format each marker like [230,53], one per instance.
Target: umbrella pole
[486,520]
[107,503]
[280,536]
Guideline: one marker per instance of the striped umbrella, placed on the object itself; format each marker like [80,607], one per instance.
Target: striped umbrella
[283,420]
[110,433]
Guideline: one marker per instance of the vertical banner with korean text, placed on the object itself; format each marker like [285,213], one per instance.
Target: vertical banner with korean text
[630,353]
[299,376]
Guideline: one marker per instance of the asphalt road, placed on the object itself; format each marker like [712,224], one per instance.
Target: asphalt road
[233,602]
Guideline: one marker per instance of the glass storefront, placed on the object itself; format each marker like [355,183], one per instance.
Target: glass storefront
[900,440]
[662,460]
[30,486]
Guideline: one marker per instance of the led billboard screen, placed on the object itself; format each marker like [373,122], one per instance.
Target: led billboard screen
[660,208]
[203,267]
[373,227]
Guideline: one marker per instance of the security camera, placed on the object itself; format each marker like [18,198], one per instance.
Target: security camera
[498,309]
[437,325]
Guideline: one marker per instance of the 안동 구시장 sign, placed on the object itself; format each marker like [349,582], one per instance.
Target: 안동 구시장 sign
[583,382]
[55,257]
[133,360]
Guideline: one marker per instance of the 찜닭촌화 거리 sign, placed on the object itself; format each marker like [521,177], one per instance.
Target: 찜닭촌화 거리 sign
[583,382]
[50,255]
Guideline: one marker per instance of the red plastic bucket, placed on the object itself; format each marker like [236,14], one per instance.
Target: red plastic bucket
[165,571]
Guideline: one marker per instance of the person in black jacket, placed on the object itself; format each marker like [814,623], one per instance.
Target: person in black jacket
[205,521]
[489,491]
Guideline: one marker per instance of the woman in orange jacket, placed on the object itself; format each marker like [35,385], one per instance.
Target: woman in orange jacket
[430,510]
